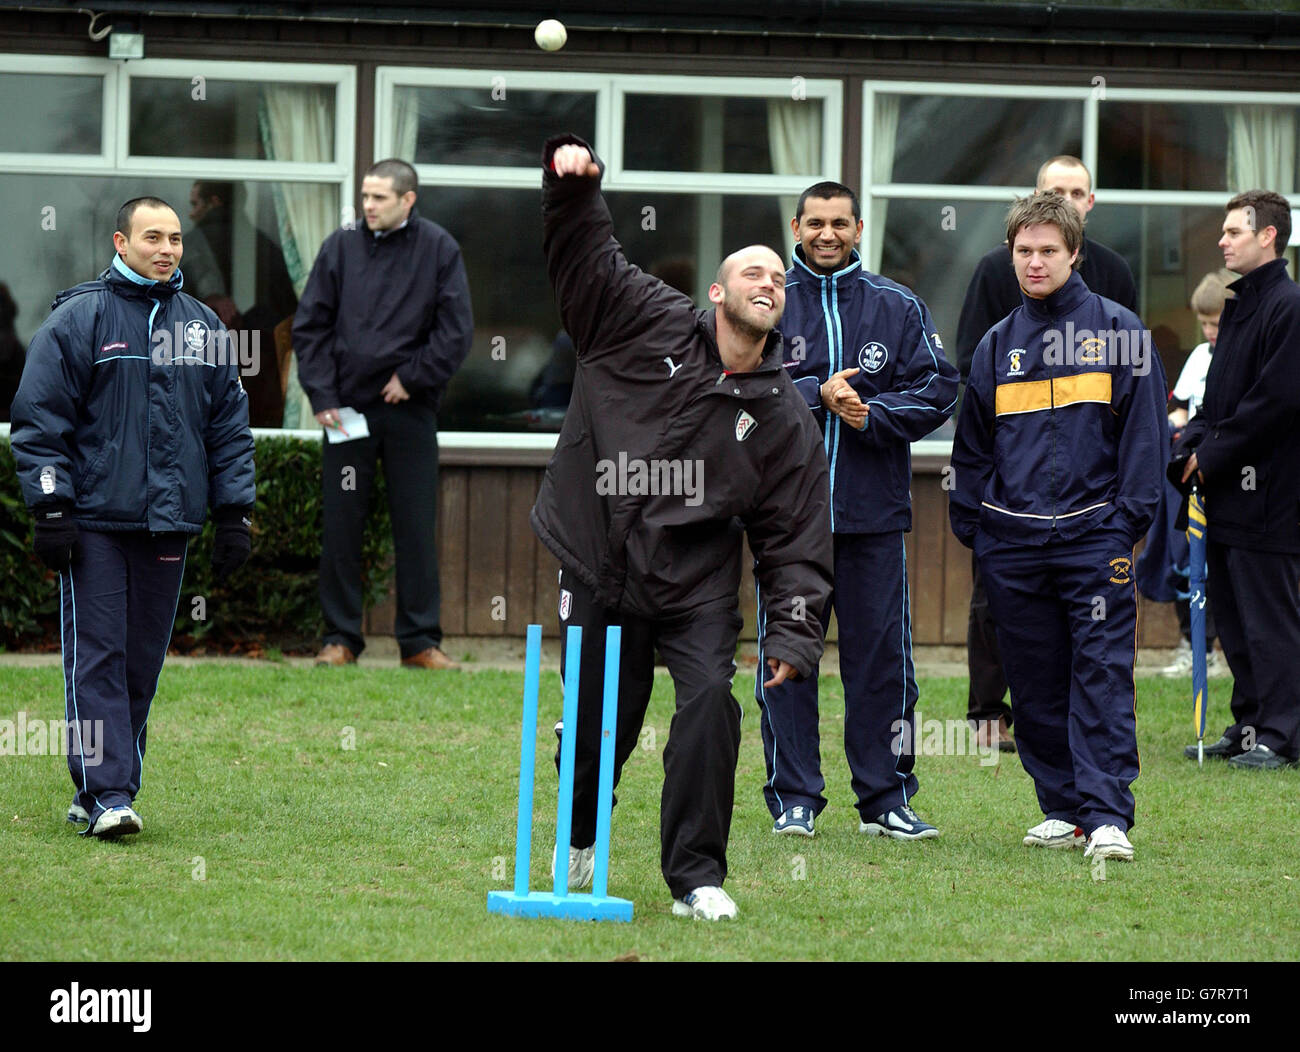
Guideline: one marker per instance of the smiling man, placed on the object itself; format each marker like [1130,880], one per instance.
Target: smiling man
[864,353]
[1244,447]
[124,442]
[1057,470]
[661,382]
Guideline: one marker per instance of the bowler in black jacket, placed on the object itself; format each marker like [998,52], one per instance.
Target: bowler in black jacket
[698,401]
[1244,448]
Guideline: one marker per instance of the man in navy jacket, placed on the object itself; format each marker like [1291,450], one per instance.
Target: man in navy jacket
[863,352]
[1057,470]
[129,424]
[383,324]
[1245,445]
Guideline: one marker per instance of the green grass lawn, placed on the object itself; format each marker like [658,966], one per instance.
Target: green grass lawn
[308,850]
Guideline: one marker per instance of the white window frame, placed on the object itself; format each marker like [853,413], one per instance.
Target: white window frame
[18,163]
[1091,98]
[610,90]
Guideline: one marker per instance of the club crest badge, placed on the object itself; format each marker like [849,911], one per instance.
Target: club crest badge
[872,357]
[1120,571]
[566,604]
[197,335]
[47,479]
[745,424]
[1015,356]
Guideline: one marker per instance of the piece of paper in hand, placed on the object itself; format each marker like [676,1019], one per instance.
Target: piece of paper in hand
[352,425]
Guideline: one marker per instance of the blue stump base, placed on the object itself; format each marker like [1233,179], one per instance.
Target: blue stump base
[565,907]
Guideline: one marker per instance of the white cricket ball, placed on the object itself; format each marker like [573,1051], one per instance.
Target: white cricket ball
[550,34]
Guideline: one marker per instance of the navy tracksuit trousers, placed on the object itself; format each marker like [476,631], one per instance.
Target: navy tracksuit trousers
[1257,606]
[1066,614]
[118,602]
[703,744]
[870,600]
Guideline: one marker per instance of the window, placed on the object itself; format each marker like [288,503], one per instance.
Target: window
[256,160]
[942,163]
[695,168]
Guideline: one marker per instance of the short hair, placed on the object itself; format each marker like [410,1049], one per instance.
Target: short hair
[1210,295]
[1046,207]
[1068,160]
[208,189]
[401,173]
[1270,209]
[127,211]
[825,191]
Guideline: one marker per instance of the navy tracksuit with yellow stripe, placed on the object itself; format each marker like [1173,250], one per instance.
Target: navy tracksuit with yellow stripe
[1057,466]
[856,319]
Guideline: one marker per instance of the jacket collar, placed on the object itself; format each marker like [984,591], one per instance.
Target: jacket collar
[126,282]
[395,233]
[1250,288]
[850,269]
[1063,300]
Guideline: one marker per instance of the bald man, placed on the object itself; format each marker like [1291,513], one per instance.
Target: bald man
[682,432]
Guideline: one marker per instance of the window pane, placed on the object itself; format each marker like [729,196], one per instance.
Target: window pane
[232,119]
[975,141]
[709,133]
[51,114]
[233,258]
[468,126]
[1167,145]
[1170,249]
[528,389]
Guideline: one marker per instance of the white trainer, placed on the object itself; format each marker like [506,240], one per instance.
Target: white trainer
[117,821]
[709,904]
[1109,842]
[1181,665]
[582,864]
[1055,833]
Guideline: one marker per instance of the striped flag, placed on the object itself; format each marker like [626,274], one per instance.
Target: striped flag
[1196,587]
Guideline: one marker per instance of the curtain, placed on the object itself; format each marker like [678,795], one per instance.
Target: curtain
[406,123]
[296,122]
[794,131]
[884,139]
[1261,148]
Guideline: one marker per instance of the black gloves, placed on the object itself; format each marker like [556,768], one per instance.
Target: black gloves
[232,545]
[56,541]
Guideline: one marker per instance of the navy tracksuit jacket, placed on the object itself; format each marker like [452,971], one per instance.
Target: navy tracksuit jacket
[1058,464]
[856,319]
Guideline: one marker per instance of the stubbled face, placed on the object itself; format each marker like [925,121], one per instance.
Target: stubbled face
[827,232]
[1041,259]
[1243,248]
[1071,183]
[384,208]
[153,249]
[1209,326]
[752,295]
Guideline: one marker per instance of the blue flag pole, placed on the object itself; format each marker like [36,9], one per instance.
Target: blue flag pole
[1196,587]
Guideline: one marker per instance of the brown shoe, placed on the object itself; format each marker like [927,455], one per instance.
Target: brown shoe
[431,658]
[335,654]
[988,734]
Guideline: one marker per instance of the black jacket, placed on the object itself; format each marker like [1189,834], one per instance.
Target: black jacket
[377,306]
[1247,433]
[994,293]
[650,389]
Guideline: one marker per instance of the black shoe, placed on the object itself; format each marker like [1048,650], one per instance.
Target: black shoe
[1261,758]
[1224,749]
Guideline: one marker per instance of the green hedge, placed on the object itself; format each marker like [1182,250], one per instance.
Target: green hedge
[271,601]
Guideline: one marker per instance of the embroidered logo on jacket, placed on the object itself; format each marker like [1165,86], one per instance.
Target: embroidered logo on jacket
[1015,356]
[872,357]
[197,335]
[745,424]
[1120,571]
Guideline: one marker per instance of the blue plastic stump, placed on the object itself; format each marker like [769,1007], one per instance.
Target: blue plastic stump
[560,902]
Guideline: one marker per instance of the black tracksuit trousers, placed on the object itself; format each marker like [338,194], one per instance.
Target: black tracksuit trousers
[700,755]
